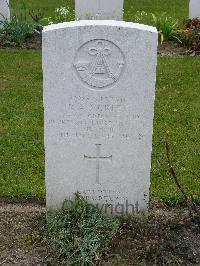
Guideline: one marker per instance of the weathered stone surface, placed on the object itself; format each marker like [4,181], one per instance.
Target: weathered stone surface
[99,9]
[4,10]
[99,86]
[194,9]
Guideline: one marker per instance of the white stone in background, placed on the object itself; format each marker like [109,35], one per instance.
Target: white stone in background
[4,10]
[99,9]
[194,9]
[99,89]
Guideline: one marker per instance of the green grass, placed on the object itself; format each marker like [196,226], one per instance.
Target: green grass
[177,119]
[175,8]
[21,125]
[47,6]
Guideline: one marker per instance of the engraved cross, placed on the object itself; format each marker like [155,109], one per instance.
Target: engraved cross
[97,158]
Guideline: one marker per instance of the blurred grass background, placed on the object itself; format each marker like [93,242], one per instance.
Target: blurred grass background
[178,9]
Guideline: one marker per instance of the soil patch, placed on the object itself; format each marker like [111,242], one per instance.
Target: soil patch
[34,42]
[17,222]
[169,48]
[22,240]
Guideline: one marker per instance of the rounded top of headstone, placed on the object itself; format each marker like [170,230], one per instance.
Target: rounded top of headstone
[89,23]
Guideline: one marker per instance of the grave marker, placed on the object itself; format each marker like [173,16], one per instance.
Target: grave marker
[99,9]
[194,9]
[99,103]
[4,10]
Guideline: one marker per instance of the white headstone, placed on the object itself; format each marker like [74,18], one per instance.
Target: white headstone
[99,9]
[4,10]
[99,86]
[194,9]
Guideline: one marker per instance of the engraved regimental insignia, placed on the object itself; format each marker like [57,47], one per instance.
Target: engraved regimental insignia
[99,63]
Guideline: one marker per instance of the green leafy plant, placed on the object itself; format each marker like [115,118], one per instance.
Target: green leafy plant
[20,26]
[16,30]
[166,26]
[79,233]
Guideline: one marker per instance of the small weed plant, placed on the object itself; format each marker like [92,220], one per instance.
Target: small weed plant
[20,26]
[16,30]
[166,26]
[79,233]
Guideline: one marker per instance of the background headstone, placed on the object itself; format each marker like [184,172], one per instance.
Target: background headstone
[99,105]
[99,9]
[4,10]
[194,9]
